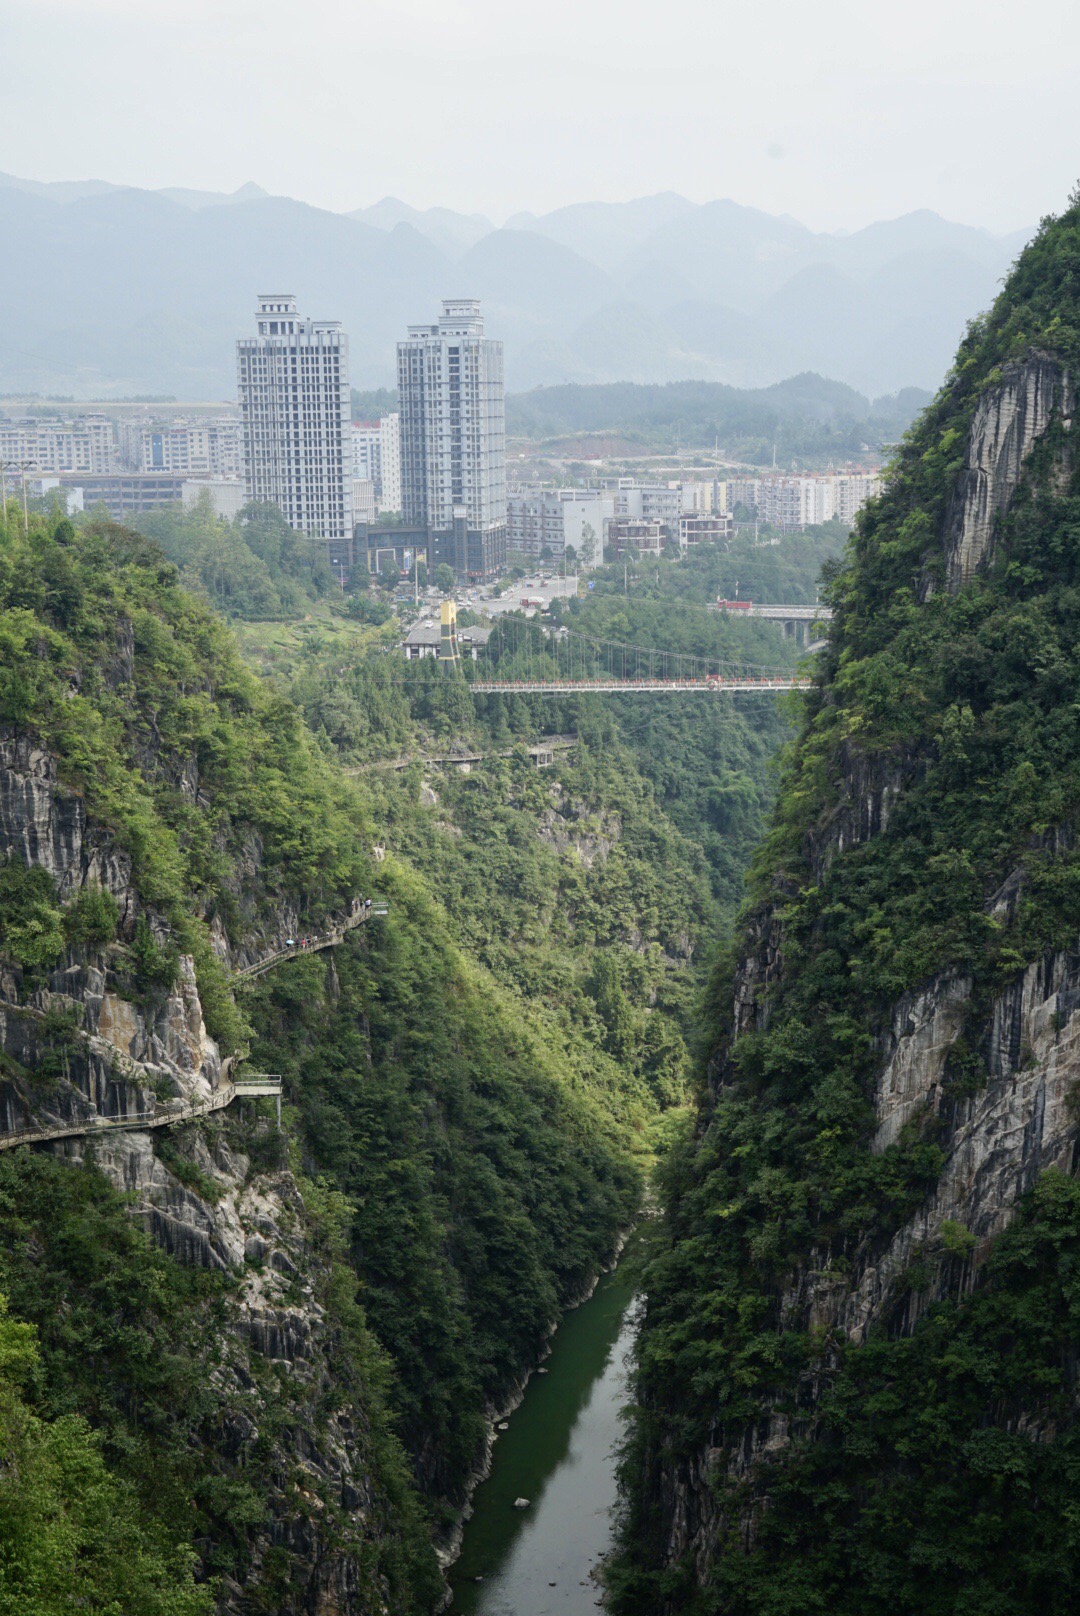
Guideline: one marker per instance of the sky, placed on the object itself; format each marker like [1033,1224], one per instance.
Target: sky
[837,112]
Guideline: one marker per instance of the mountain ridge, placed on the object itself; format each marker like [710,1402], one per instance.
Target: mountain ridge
[657,289]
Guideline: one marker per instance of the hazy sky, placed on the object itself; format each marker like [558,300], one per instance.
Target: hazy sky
[838,112]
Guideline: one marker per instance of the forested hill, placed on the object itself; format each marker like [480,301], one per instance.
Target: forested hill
[805,415]
[249,1370]
[857,1385]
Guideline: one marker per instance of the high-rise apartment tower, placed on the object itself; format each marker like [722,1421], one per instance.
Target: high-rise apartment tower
[453,440]
[296,418]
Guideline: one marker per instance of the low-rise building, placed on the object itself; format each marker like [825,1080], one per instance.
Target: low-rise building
[631,535]
[714,528]
[425,637]
[226,494]
[544,523]
[122,493]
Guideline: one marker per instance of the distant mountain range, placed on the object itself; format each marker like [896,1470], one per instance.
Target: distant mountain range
[107,290]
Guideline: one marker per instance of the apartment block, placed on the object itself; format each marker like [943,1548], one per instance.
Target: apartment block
[634,536]
[793,503]
[377,459]
[544,523]
[715,527]
[650,502]
[296,417]
[198,447]
[453,440]
[86,444]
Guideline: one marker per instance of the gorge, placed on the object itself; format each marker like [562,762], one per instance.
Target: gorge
[251,1368]
[269,1356]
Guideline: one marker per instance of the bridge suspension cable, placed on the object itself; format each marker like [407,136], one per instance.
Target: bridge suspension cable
[559,660]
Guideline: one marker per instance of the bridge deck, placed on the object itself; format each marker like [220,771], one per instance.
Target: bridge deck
[633,687]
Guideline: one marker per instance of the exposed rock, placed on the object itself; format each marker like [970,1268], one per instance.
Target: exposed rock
[925,1027]
[326,1524]
[1010,419]
[44,824]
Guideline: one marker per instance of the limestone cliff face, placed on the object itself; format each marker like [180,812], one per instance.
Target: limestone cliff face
[275,1371]
[105,1057]
[1021,1117]
[44,825]
[1010,419]
[79,1051]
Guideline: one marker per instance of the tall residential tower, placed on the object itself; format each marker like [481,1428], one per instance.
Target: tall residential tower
[453,440]
[296,418]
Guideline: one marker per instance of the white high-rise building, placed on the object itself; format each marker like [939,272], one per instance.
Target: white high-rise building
[296,417]
[390,463]
[453,440]
[377,459]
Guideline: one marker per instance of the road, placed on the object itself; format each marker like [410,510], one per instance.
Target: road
[510,599]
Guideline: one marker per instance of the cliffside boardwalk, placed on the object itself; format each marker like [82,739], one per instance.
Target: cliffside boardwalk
[258,1084]
[254,1085]
[370,909]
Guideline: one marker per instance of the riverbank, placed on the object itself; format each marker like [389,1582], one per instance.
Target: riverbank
[559,1453]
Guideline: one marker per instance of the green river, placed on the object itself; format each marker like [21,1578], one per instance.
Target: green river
[559,1454]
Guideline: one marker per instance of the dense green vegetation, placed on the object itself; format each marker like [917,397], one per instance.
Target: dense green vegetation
[472,1086]
[72,1534]
[926,1488]
[784,567]
[479,1153]
[176,748]
[119,1411]
[255,566]
[920,1483]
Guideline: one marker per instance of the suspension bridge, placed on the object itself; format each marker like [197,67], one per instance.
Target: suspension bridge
[535,660]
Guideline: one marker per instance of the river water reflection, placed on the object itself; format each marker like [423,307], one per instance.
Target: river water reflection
[558,1453]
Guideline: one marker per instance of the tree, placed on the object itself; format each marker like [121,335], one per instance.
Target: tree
[444,578]
[588,545]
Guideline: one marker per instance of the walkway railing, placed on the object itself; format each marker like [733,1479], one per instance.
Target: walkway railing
[259,1084]
[251,1086]
[372,909]
[636,687]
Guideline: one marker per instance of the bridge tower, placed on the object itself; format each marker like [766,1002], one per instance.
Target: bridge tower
[448,645]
